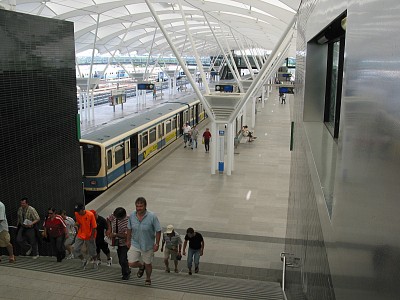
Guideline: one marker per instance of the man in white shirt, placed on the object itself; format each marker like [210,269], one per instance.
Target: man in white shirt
[4,234]
[186,134]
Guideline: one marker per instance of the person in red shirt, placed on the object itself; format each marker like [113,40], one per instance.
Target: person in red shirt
[206,139]
[56,231]
[86,228]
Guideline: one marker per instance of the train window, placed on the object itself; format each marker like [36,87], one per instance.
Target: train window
[160,130]
[192,114]
[152,135]
[145,139]
[334,86]
[91,159]
[109,159]
[173,123]
[119,154]
[322,100]
[168,125]
[140,142]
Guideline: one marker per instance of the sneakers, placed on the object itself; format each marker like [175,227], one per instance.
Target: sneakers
[71,256]
[140,272]
[96,264]
[190,271]
[109,262]
[196,270]
[35,256]
[84,263]
[29,251]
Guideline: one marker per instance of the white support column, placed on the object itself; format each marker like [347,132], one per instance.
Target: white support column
[92,102]
[263,97]
[223,52]
[213,147]
[180,60]
[244,113]
[248,64]
[253,112]
[231,56]
[87,105]
[196,55]
[91,65]
[229,149]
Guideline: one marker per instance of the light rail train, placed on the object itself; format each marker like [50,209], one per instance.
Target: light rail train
[111,152]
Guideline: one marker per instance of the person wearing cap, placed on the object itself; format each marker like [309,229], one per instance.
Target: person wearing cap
[144,233]
[101,244]
[196,248]
[86,234]
[173,247]
[186,134]
[117,228]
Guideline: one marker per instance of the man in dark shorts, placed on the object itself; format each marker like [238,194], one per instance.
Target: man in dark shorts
[196,248]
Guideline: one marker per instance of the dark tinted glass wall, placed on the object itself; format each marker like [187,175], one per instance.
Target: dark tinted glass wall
[39,148]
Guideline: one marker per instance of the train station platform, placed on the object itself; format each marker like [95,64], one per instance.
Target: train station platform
[242,218]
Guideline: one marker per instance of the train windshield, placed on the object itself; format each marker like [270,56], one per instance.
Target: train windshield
[91,159]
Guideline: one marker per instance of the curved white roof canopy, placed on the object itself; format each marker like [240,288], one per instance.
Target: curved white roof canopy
[127,26]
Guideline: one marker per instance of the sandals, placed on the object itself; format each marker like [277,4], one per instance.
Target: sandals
[147,282]
[12,260]
[140,272]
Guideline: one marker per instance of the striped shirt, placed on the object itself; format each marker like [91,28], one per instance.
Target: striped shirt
[122,227]
[172,242]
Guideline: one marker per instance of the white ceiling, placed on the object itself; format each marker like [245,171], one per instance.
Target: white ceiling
[128,27]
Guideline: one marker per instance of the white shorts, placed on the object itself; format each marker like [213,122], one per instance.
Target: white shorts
[135,254]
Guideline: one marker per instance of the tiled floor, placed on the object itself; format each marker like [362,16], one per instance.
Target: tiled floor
[238,231]
[243,235]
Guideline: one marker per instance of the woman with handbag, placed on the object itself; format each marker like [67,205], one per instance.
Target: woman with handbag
[56,231]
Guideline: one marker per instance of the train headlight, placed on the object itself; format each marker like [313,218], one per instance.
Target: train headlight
[93,182]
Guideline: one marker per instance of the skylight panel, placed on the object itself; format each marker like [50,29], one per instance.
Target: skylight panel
[231,3]
[278,4]
[137,8]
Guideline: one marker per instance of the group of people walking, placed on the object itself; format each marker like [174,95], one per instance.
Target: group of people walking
[191,134]
[136,237]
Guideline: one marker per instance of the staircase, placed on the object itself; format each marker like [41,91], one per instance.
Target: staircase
[206,285]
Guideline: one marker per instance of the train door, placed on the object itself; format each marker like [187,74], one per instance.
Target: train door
[161,137]
[180,123]
[109,165]
[127,163]
[134,151]
[196,113]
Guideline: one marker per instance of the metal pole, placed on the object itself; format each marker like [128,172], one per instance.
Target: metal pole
[244,56]
[145,76]
[91,63]
[196,55]
[183,66]
[263,72]
[231,56]
[223,52]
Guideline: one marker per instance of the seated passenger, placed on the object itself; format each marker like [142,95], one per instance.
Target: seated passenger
[247,133]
